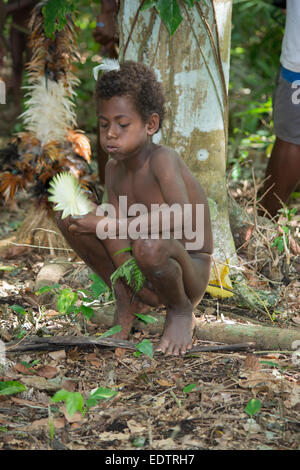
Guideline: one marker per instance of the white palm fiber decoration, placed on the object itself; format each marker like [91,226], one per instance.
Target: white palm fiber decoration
[68,195]
[50,111]
[49,100]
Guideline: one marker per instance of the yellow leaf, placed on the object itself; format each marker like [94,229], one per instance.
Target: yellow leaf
[219,283]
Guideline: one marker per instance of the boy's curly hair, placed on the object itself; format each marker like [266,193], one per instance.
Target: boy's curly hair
[138,81]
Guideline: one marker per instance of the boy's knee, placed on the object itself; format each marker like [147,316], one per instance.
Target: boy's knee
[149,252]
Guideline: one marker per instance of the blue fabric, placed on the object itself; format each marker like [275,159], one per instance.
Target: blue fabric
[289,76]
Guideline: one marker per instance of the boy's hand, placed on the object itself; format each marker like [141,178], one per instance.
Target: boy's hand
[85,224]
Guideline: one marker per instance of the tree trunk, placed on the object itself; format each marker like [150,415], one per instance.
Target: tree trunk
[193,66]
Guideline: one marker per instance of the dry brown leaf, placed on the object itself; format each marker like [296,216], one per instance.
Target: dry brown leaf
[93,360]
[51,313]
[44,422]
[190,441]
[111,436]
[69,385]
[56,355]
[95,363]
[296,320]
[293,396]
[15,251]
[74,354]
[75,418]
[261,380]
[22,402]
[135,427]
[75,425]
[269,357]
[41,383]
[167,444]
[120,352]
[23,369]
[3,420]
[252,363]
[47,371]
[164,383]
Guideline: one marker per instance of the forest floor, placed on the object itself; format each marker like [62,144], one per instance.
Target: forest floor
[152,408]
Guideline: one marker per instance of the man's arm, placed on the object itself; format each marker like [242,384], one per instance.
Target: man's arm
[11,7]
[106,32]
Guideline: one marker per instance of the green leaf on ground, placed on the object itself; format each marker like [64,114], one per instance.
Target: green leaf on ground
[19,309]
[148,319]
[98,287]
[253,406]
[145,347]
[189,388]
[101,393]
[44,289]
[10,387]
[112,331]
[66,300]
[73,400]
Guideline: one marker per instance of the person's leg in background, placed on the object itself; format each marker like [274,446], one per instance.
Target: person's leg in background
[282,173]
[283,169]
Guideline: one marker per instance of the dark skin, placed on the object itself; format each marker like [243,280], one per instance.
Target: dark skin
[283,174]
[146,173]
[106,33]
[20,11]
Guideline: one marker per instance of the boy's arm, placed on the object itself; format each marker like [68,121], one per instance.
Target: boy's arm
[166,168]
[88,224]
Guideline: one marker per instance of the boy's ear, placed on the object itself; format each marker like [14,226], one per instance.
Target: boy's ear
[153,124]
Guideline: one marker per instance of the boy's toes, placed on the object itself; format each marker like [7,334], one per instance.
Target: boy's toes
[171,349]
[161,348]
[176,351]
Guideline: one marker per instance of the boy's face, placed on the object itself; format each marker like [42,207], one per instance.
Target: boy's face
[122,130]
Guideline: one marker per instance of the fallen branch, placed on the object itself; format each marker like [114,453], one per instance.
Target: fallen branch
[222,347]
[36,343]
[265,337]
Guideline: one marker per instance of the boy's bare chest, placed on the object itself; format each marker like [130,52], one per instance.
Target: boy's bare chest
[140,187]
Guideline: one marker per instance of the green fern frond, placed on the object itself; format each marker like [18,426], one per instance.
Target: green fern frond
[131,273]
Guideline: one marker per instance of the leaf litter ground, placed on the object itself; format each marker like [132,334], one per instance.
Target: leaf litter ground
[151,409]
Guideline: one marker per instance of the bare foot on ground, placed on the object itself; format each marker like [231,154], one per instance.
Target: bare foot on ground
[178,332]
[124,316]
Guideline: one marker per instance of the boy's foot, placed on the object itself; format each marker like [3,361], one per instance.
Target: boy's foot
[178,332]
[124,316]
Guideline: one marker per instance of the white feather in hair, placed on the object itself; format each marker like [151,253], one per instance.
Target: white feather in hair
[68,195]
[106,66]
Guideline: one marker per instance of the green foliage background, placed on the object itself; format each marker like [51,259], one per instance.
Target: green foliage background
[257,31]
